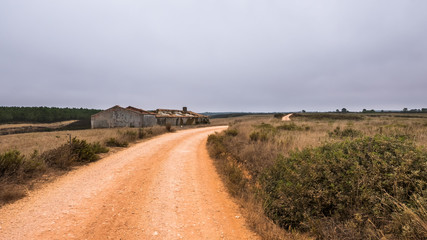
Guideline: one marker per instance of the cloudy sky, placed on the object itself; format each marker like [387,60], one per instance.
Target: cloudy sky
[214,55]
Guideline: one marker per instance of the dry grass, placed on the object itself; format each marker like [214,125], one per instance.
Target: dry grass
[242,161]
[26,143]
[47,125]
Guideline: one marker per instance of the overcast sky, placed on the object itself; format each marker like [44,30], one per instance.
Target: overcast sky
[214,55]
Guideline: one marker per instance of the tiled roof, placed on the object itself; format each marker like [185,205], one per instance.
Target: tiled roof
[176,113]
[139,110]
[172,113]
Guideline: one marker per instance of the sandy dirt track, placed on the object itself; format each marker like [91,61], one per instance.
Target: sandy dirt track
[164,188]
[287,117]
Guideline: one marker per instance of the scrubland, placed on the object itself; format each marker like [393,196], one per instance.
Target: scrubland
[28,159]
[328,176]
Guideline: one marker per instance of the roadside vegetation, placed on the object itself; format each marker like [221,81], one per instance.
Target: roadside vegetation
[328,177]
[31,158]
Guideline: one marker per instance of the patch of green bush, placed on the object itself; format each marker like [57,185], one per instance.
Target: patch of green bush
[263,133]
[346,133]
[231,132]
[292,127]
[353,185]
[113,142]
[11,162]
[216,145]
[86,152]
[258,136]
[78,151]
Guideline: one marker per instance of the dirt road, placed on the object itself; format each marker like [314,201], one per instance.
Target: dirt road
[164,188]
[287,117]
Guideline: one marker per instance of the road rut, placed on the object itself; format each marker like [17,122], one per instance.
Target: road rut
[163,188]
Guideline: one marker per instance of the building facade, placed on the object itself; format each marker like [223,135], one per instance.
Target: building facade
[123,117]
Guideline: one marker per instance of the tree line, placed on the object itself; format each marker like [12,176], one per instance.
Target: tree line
[43,114]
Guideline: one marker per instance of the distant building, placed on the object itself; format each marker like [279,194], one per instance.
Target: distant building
[135,117]
[179,117]
[123,117]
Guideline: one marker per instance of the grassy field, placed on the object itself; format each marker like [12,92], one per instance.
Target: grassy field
[47,125]
[332,176]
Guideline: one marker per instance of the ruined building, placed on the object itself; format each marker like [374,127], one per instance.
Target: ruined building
[179,117]
[123,117]
[135,117]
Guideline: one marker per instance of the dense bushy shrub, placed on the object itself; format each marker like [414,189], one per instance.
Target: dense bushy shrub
[113,142]
[357,182]
[348,132]
[231,132]
[86,152]
[10,162]
[78,151]
[216,145]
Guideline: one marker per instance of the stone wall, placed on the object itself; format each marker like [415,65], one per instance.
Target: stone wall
[119,117]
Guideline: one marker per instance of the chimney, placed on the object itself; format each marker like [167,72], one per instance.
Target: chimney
[184,109]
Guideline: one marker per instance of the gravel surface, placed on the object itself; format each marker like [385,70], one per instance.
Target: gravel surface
[163,188]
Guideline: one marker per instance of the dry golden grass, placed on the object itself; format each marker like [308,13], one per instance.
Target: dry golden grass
[256,155]
[47,125]
[26,143]
[318,132]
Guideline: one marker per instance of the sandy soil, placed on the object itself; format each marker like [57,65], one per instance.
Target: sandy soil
[164,188]
[287,117]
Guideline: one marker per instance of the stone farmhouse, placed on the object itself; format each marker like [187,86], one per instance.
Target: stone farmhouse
[134,117]
[179,117]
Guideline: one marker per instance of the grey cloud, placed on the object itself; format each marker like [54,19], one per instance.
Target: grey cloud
[214,55]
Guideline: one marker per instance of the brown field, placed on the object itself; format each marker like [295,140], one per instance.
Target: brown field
[26,143]
[47,125]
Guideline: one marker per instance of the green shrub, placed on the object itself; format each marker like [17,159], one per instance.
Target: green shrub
[11,162]
[346,133]
[98,148]
[263,133]
[347,182]
[113,142]
[291,127]
[34,163]
[215,145]
[78,151]
[231,132]
[265,127]
[83,151]
[258,136]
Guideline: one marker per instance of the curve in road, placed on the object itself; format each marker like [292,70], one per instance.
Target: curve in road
[163,188]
